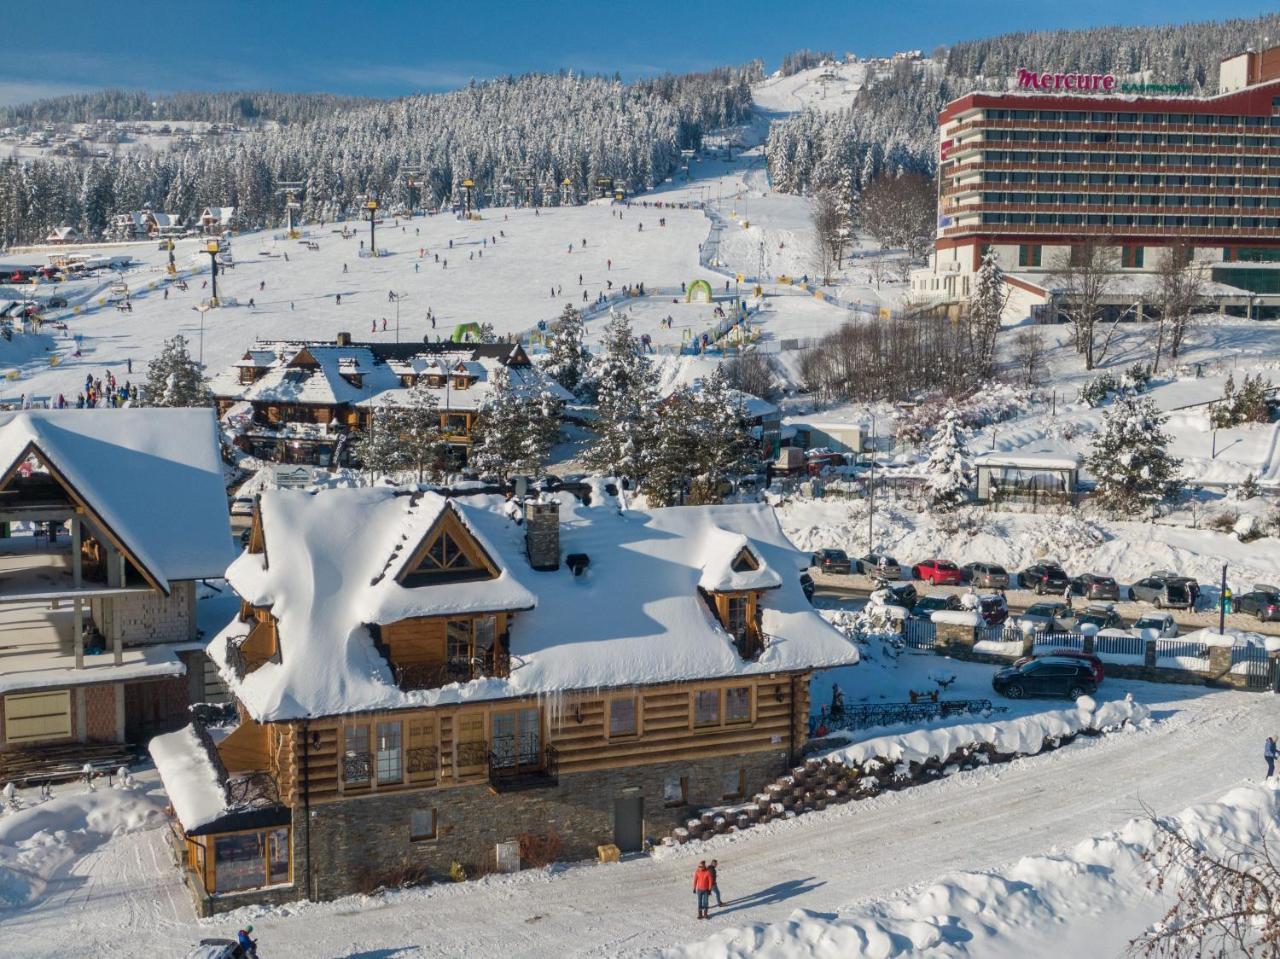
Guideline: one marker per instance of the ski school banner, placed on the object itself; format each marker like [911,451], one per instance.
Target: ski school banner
[1090,83]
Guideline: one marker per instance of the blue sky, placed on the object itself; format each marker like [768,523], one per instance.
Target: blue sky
[391,47]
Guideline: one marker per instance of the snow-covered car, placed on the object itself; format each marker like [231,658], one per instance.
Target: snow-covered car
[1160,625]
[901,594]
[1102,615]
[216,949]
[1046,618]
[242,506]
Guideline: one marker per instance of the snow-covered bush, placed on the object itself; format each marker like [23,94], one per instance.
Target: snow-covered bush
[1130,457]
[1247,528]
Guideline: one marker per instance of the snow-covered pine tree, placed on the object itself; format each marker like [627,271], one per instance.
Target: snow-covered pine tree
[378,447]
[949,477]
[542,415]
[568,359]
[626,405]
[416,429]
[673,449]
[174,378]
[986,304]
[497,444]
[724,444]
[1130,458]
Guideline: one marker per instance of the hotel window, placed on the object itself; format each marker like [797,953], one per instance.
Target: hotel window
[623,717]
[422,825]
[355,756]
[706,707]
[737,704]
[1131,256]
[390,768]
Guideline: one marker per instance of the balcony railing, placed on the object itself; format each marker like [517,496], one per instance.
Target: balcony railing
[241,663]
[522,762]
[414,676]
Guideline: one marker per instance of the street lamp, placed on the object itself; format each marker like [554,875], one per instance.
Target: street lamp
[213,248]
[398,297]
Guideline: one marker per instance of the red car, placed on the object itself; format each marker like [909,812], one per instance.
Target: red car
[1094,662]
[939,572]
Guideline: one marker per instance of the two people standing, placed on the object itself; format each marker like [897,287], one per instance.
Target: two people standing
[705,883]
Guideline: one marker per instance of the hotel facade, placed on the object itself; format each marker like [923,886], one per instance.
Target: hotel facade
[1065,158]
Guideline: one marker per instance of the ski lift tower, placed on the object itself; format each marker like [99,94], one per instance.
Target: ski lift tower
[688,159]
[292,208]
[371,212]
[524,181]
[467,186]
[411,175]
[213,248]
[566,192]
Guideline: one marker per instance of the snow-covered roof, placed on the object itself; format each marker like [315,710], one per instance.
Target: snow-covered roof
[219,214]
[191,779]
[153,476]
[1029,460]
[635,615]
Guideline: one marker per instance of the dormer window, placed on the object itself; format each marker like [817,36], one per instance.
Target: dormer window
[737,616]
[745,562]
[461,382]
[444,559]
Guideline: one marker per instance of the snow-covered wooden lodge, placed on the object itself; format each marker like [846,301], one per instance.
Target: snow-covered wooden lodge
[215,220]
[426,680]
[299,401]
[139,224]
[107,520]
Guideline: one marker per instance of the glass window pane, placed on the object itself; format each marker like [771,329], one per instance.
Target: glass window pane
[278,854]
[737,704]
[622,717]
[389,756]
[355,760]
[422,825]
[706,707]
[238,862]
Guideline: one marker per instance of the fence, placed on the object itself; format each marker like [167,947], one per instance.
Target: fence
[1044,641]
[999,634]
[891,714]
[1258,668]
[1183,649]
[919,634]
[1128,646]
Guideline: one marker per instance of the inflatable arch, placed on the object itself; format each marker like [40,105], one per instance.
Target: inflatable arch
[466,333]
[699,291]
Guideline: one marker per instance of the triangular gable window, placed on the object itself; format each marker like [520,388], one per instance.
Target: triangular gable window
[450,556]
[744,562]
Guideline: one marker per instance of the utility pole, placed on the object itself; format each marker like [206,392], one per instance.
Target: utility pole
[871,490]
[371,211]
[213,248]
[1222,603]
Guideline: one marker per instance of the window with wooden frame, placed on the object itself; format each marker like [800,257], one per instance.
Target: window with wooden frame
[447,553]
[744,562]
[737,704]
[422,825]
[624,717]
[390,756]
[356,767]
[737,616]
[706,707]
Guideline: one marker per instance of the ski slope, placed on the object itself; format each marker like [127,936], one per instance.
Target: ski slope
[1203,743]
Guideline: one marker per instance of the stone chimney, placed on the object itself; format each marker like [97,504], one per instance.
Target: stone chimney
[343,339]
[542,533]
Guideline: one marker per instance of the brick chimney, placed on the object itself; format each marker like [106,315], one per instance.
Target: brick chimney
[542,533]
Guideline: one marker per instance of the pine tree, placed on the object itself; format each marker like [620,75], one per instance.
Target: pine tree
[724,444]
[415,427]
[672,450]
[626,405]
[986,305]
[568,359]
[515,431]
[1130,458]
[949,477]
[174,378]
[1222,414]
[378,447]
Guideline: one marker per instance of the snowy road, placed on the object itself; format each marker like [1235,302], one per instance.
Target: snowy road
[1204,743]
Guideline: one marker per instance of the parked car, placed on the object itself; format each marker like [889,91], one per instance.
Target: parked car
[881,566]
[938,572]
[806,584]
[1102,616]
[1093,586]
[55,302]
[832,561]
[242,506]
[1066,676]
[1162,625]
[901,594]
[994,609]
[986,575]
[1190,582]
[926,606]
[1044,578]
[1262,601]
[1047,618]
[1095,664]
[1162,592]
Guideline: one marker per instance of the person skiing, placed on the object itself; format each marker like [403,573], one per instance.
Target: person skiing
[344,268]
[247,945]
[702,883]
[715,881]
[262,286]
[338,297]
[1270,753]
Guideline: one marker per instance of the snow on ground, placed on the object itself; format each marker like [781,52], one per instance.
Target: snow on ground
[827,89]
[1201,744]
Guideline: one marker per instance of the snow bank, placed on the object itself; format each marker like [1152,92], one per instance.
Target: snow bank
[957,617]
[38,841]
[1024,735]
[1026,908]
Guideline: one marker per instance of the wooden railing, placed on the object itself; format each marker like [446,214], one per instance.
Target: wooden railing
[413,676]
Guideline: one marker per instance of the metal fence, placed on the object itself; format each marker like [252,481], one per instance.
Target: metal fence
[1120,646]
[1182,649]
[1258,668]
[919,633]
[892,714]
[1046,641]
[1004,633]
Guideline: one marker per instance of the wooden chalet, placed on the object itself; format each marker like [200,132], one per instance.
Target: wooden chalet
[425,681]
[107,519]
[299,402]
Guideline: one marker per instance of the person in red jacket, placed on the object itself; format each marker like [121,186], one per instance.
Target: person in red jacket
[702,883]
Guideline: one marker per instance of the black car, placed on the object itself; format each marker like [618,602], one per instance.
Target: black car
[1060,676]
[926,606]
[1263,603]
[806,584]
[1092,586]
[832,561]
[1044,578]
[901,594]
[986,575]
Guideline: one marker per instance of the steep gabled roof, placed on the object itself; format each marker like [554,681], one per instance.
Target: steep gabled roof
[634,616]
[153,477]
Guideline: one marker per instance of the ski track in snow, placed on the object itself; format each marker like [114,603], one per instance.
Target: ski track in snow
[129,891]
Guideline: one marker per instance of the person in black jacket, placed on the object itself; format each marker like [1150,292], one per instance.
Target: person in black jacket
[715,881]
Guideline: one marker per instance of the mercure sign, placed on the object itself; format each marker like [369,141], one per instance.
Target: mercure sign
[1092,82]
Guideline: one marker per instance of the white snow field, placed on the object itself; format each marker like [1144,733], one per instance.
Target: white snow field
[125,889]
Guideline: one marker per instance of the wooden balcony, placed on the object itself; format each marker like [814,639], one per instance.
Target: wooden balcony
[415,676]
[520,763]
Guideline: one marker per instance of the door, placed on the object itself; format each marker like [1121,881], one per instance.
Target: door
[517,741]
[628,823]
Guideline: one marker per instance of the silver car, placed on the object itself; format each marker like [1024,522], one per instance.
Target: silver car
[880,566]
[1160,625]
[986,575]
[1047,618]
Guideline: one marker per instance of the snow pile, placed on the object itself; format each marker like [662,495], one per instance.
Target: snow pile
[957,617]
[1024,736]
[39,841]
[1027,908]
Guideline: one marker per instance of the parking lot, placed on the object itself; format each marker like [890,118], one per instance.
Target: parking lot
[860,586]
